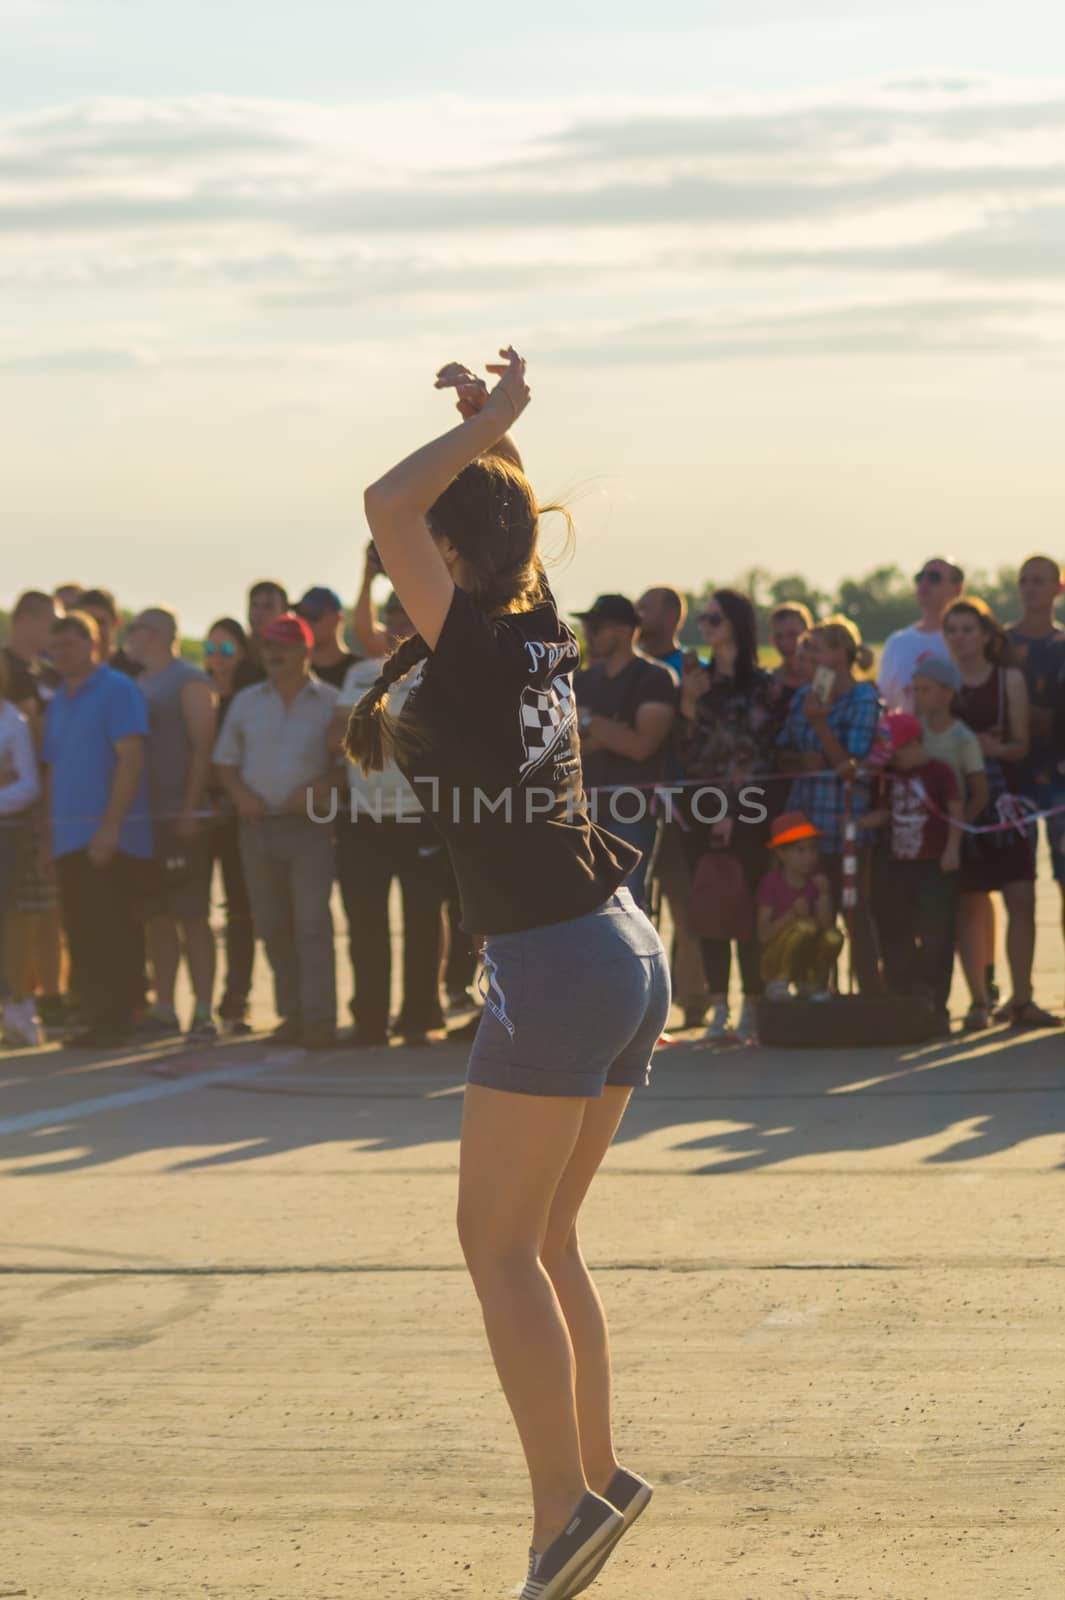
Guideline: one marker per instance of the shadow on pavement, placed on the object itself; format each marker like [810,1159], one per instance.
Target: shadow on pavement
[734,1111]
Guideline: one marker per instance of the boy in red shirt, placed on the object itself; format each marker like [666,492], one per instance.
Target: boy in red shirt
[921,804]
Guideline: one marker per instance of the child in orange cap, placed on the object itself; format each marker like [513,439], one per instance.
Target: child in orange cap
[796,921]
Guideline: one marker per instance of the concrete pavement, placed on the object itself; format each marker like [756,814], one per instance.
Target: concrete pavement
[242,1357]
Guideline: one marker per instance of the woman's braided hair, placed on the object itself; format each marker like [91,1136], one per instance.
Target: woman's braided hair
[490,515]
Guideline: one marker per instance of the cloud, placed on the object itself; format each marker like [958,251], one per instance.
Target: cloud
[1011,245]
[683,201]
[231,212]
[63,363]
[849,126]
[892,328]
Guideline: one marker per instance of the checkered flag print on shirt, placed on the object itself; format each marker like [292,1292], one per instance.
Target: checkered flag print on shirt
[546,715]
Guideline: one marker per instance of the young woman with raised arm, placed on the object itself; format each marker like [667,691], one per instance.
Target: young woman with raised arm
[575,980]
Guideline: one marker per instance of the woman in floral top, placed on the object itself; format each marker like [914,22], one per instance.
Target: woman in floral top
[730,717]
[826,740]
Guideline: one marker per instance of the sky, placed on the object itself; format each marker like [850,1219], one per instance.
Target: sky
[789,279]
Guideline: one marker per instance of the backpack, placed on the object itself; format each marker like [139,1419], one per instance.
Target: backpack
[720,903]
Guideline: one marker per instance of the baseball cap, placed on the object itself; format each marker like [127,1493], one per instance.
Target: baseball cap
[790,827]
[320,598]
[901,727]
[289,629]
[939,669]
[611,608]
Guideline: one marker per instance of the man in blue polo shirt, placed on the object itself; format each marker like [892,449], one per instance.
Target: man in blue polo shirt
[94,735]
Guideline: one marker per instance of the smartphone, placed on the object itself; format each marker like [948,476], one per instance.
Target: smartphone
[823,680]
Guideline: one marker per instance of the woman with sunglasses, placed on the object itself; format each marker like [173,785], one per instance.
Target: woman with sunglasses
[225,650]
[730,714]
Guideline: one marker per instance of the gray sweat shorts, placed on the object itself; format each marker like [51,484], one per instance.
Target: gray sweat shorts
[574,1005]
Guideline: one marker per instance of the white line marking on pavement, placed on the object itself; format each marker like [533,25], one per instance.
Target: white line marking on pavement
[59,1115]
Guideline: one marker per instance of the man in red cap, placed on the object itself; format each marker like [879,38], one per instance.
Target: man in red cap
[274,763]
[921,803]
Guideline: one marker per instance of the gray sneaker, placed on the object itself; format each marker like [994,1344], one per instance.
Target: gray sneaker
[719,1028]
[630,1494]
[594,1526]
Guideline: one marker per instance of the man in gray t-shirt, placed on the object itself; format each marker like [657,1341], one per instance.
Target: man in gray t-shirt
[182,717]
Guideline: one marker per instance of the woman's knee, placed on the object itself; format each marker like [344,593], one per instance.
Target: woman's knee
[560,1249]
[1020,898]
[489,1245]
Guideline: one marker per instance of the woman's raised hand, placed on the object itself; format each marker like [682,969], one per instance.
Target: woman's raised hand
[470,390]
[511,394]
[509,397]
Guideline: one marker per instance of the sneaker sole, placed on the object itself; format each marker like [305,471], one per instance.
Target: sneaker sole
[560,1586]
[638,1504]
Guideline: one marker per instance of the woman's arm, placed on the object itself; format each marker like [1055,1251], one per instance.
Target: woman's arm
[977,795]
[836,756]
[396,505]
[1015,748]
[25,786]
[472,397]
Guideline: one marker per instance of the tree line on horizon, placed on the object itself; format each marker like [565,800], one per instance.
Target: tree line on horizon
[877,603]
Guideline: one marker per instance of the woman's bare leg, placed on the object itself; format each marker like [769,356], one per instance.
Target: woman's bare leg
[972,935]
[1020,938]
[515,1149]
[576,1290]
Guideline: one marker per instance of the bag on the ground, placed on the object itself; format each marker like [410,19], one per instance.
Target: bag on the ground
[845,1021]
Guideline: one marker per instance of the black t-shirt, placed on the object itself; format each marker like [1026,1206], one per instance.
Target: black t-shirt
[499,770]
[29,680]
[248,672]
[640,683]
[1043,663]
[125,664]
[336,673]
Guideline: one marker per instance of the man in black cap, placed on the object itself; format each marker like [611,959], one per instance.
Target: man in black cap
[626,704]
[323,611]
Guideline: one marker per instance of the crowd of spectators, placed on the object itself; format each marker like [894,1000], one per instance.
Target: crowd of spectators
[132,782]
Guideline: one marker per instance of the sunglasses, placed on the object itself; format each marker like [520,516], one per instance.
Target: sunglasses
[713,619]
[226,648]
[929,575]
[310,613]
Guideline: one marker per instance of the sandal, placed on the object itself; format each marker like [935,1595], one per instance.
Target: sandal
[1029,1015]
[976,1019]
